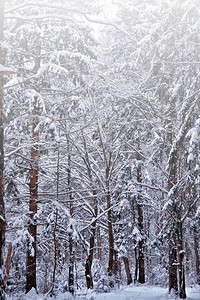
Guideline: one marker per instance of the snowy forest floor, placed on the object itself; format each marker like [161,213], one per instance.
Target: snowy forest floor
[127,293]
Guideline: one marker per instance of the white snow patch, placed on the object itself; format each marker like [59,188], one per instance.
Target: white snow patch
[190,157]
[6,69]
[134,292]
[32,295]
[193,135]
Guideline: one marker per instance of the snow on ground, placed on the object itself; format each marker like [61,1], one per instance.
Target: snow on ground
[129,293]
[143,293]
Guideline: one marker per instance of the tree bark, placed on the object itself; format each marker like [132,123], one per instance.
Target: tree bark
[8,263]
[110,229]
[55,241]
[173,280]
[71,264]
[127,268]
[181,254]
[2,208]
[71,243]
[173,283]
[196,250]
[89,260]
[136,265]
[33,186]
[31,257]
[99,243]
[88,265]
[141,265]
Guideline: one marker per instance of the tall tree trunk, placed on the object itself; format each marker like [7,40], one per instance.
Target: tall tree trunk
[8,263]
[111,240]
[31,257]
[110,229]
[127,268]
[196,250]
[88,265]
[89,260]
[33,188]
[173,284]
[71,263]
[136,265]
[172,179]
[99,243]
[181,254]
[124,258]
[108,170]
[55,241]
[2,208]
[71,243]
[141,265]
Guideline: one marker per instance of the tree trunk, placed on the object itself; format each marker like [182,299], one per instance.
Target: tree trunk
[196,250]
[8,263]
[31,257]
[141,265]
[181,254]
[89,260]
[110,230]
[55,241]
[111,240]
[141,278]
[71,243]
[127,268]
[99,243]
[71,264]
[33,187]
[2,208]
[88,265]
[173,283]
[172,179]
[136,265]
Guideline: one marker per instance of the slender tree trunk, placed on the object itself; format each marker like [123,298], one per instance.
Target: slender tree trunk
[55,241]
[111,240]
[89,260]
[196,251]
[71,264]
[127,268]
[173,283]
[141,264]
[124,258]
[99,243]
[2,208]
[88,265]
[71,243]
[8,263]
[116,262]
[141,278]
[172,179]
[110,229]
[31,257]
[181,254]
[136,265]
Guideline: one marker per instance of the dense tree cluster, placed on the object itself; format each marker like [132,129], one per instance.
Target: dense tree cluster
[99,145]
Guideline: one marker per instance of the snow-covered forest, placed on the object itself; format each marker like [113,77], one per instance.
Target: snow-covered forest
[99,149]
